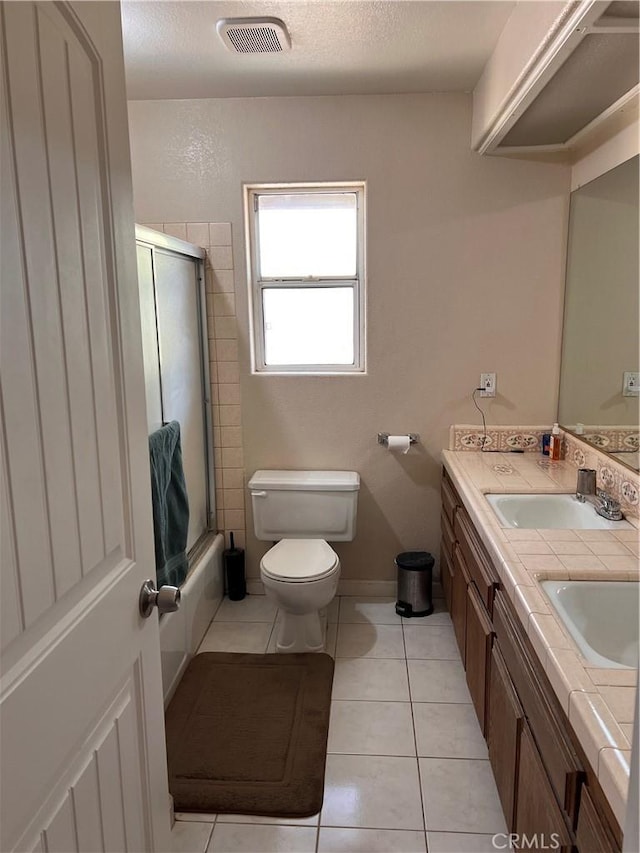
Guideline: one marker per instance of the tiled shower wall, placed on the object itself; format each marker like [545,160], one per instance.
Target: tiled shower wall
[215,238]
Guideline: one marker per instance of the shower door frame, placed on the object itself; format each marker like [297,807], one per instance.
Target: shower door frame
[154,240]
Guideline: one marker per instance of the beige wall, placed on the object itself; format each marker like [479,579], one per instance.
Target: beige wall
[465,274]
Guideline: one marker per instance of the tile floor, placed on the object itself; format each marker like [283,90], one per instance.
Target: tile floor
[407,767]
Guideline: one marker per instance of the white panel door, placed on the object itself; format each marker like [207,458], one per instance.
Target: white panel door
[83,762]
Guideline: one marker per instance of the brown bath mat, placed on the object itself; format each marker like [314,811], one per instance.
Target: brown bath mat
[247,734]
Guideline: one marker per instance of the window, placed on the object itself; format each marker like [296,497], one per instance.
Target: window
[306,273]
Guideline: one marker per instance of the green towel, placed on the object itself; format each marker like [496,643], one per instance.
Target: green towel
[170,505]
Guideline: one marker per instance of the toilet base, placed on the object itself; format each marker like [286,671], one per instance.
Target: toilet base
[305,632]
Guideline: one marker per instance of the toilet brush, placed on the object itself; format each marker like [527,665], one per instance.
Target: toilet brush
[233,559]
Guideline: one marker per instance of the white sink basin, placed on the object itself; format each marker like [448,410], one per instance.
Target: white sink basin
[549,511]
[602,617]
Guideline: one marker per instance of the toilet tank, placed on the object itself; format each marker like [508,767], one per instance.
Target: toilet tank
[304,504]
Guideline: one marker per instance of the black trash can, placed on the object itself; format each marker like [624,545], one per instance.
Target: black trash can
[415,576]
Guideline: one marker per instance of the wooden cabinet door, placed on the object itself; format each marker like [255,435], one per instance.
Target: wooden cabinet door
[504,724]
[591,834]
[478,639]
[537,812]
[450,500]
[476,559]
[446,573]
[544,715]
[459,584]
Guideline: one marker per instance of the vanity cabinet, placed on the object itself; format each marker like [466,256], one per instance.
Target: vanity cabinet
[544,782]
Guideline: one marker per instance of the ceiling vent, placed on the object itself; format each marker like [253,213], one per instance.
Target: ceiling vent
[254,35]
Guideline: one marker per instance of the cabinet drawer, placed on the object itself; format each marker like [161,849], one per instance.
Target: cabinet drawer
[591,833]
[540,707]
[480,569]
[450,500]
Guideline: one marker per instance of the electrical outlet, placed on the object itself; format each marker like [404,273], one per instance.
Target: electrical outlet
[488,384]
[630,384]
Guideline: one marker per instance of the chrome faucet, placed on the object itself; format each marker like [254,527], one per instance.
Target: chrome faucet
[606,506]
[603,503]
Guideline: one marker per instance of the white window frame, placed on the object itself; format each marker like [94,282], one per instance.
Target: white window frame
[258,284]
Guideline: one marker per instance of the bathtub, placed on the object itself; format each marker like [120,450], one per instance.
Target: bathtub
[181,632]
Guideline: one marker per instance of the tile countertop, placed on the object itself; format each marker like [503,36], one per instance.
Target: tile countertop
[598,702]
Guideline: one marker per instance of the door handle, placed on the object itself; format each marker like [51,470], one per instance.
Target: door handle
[166,599]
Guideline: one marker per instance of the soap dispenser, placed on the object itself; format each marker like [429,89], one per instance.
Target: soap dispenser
[555,445]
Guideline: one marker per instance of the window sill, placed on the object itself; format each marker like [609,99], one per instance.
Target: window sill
[302,373]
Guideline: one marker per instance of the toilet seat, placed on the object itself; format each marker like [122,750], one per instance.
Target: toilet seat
[299,560]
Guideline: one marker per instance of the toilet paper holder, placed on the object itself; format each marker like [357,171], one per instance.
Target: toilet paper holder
[383,438]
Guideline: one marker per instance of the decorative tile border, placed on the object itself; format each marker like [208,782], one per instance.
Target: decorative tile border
[613,439]
[630,493]
[226,410]
[615,477]
[498,438]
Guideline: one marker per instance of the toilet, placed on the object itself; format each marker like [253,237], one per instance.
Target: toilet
[300,511]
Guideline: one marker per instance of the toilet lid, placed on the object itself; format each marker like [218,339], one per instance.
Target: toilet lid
[299,560]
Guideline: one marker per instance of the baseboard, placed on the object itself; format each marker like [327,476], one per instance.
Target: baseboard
[375,589]
[255,587]
[365,589]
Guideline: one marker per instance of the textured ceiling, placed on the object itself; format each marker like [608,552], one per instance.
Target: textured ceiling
[338,47]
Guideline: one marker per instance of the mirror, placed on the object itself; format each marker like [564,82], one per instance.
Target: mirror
[599,378]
